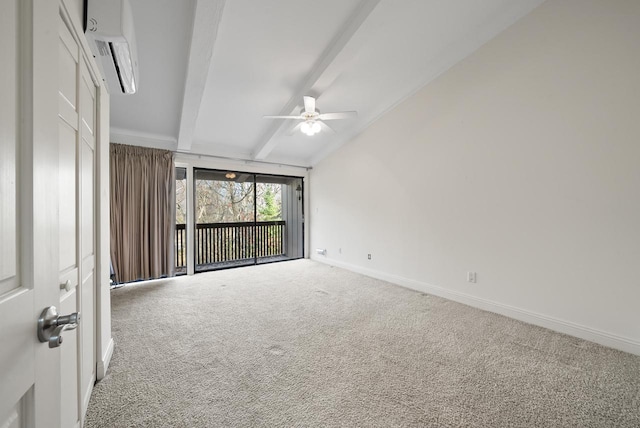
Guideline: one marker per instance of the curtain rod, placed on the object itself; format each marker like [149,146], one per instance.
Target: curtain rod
[246,161]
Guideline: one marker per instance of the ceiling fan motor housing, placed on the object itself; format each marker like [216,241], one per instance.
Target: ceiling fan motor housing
[307,115]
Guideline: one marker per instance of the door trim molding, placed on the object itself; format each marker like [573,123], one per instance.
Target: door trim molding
[104,360]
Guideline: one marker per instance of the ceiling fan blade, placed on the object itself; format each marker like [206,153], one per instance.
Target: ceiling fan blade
[326,128]
[295,129]
[309,104]
[338,115]
[282,117]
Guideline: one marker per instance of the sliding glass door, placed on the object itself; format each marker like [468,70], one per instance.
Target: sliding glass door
[243,219]
[279,222]
[180,246]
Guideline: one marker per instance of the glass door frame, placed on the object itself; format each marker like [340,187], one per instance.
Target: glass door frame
[298,193]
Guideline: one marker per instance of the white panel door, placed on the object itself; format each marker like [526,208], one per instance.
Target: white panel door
[68,142]
[86,205]
[29,370]
[77,121]
[17,357]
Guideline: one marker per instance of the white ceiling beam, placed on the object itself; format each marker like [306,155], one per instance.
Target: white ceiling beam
[144,139]
[358,17]
[206,22]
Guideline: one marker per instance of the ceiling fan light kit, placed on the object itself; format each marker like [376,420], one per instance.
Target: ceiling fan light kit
[313,120]
[310,127]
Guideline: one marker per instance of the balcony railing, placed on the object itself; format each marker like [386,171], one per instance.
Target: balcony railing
[231,242]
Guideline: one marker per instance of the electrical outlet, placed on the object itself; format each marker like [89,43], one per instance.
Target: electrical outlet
[471,277]
[369,256]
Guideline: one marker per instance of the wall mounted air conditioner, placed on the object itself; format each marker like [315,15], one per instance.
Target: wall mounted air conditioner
[109,28]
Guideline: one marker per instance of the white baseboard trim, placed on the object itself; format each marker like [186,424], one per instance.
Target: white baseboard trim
[103,363]
[561,326]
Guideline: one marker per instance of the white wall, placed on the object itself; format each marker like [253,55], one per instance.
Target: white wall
[521,163]
[105,343]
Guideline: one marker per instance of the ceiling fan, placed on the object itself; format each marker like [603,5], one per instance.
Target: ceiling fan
[313,120]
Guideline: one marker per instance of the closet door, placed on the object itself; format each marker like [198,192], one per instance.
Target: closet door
[77,142]
[68,122]
[86,205]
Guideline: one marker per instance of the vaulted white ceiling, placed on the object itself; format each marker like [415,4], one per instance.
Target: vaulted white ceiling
[211,69]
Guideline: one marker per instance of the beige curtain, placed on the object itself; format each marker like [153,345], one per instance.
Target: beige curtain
[142,212]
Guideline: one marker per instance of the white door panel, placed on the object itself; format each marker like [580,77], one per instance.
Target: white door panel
[15,418]
[77,93]
[69,363]
[87,200]
[17,353]
[88,368]
[29,370]
[47,214]
[87,205]
[8,147]
[17,358]
[68,60]
[68,163]
[67,188]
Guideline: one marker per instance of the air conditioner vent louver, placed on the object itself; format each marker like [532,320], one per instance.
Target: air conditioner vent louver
[103,48]
[112,40]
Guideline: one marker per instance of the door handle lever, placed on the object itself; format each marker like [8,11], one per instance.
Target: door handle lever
[51,325]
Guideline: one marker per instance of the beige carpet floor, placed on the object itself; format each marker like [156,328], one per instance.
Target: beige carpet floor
[302,344]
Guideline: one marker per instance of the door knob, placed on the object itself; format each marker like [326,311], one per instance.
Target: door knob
[66,286]
[51,325]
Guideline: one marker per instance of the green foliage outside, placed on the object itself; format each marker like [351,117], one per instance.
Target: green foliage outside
[270,210]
